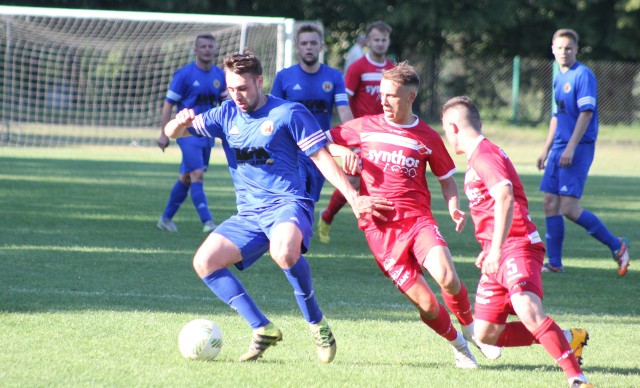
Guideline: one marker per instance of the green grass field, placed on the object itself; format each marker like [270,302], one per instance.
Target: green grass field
[93,295]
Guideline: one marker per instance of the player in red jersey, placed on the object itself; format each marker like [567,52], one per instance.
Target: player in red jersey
[396,147]
[362,82]
[512,250]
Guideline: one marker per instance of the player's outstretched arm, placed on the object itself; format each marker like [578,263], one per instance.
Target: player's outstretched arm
[360,204]
[350,160]
[178,127]
[451,196]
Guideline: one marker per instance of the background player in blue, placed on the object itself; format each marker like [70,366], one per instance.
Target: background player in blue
[263,135]
[199,85]
[316,86]
[568,153]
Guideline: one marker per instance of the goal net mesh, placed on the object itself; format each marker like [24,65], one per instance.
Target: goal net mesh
[100,80]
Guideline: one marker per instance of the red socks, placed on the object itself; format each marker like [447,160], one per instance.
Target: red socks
[442,324]
[336,203]
[459,305]
[551,337]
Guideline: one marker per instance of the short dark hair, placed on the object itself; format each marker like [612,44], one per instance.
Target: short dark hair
[378,25]
[241,63]
[207,36]
[309,27]
[567,33]
[403,74]
[472,114]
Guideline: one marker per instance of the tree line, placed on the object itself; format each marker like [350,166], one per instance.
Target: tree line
[431,28]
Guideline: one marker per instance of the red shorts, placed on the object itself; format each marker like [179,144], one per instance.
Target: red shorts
[520,270]
[401,247]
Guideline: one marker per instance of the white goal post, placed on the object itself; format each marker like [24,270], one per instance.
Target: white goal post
[100,77]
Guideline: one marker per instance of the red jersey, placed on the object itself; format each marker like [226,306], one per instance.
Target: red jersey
[362,82]
[488,168]
[394,161]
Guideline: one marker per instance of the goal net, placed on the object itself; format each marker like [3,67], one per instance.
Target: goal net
[100,77]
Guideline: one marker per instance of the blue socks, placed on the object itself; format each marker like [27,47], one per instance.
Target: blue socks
[177,196]
[554,238]
[179,193]
[300,278]
[592,224]
[229,289]
[589,221]
[200,201]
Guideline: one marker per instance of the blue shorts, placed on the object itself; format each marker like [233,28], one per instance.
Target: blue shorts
[570,180]
[251,230]
[196,152]
[312,178]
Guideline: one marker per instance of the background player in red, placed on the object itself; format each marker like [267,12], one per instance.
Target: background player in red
[363,87]
[396,147]
[512,250]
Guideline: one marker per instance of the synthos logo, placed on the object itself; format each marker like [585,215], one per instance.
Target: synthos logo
[395,162]
[254,156]
[373,90]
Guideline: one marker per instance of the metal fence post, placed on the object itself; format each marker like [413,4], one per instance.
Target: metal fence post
[515,88]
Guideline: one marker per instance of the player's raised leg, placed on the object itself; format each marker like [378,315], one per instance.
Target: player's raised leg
[211,263]
[434,315]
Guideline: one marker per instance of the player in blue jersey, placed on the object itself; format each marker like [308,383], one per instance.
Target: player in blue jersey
[319,88]
[568,152]
[261,136]
[200,86]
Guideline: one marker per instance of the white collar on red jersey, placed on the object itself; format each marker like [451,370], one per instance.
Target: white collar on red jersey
[380,64]
[475,145]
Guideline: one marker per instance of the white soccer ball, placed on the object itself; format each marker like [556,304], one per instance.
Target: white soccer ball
[200,339]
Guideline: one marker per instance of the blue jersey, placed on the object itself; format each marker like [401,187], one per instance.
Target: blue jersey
[261,149]
[192,87]
[575,91]
[319,91]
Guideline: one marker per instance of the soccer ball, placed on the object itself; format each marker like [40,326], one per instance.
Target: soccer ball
[200,339]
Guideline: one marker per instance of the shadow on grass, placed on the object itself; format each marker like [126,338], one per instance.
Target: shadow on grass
[81,235]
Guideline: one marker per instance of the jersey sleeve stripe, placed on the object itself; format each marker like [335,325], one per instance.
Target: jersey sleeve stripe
[341,97]
[447,175]
[312,140]
[504,182]
[199,126]
[173,96]
[587,101]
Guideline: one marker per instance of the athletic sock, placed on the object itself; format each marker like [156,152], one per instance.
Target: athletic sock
[552,338]
[300,278]
[515,334]
[554,239]
[176,197]
[229,289]
[336,202]
[592,224]
[459,305]
[199,199]
[442,324]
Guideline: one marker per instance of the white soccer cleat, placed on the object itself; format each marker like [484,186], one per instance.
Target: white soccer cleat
[462,353]
[491,352]
[168,225]
[209,226]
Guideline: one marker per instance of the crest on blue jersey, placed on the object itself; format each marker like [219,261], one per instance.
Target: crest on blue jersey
[327,86]
[266,128]
[567,87]
[216,83]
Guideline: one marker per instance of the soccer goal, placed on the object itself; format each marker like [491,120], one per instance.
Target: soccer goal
[100,77]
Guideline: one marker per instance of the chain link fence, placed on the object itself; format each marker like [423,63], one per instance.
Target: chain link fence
[490,83]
